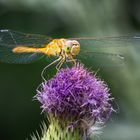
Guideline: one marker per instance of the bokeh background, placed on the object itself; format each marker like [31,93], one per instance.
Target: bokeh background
[19,115]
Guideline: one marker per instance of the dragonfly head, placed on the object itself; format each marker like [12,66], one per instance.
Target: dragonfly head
[72,47]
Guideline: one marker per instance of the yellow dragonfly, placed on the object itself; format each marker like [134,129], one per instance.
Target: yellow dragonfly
[17,47]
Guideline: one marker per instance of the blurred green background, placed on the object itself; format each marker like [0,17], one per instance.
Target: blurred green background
[19,115]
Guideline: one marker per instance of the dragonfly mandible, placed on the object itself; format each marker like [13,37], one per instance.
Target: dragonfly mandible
[17,47]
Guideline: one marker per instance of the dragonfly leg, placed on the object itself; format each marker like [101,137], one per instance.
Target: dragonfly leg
[60,63]
[71,59]
[43,71]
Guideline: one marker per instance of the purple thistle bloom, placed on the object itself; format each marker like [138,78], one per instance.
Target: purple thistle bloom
[76,94]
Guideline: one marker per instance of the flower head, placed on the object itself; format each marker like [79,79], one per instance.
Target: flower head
[76,94]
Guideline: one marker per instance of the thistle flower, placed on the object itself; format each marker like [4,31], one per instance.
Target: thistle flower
[74,99]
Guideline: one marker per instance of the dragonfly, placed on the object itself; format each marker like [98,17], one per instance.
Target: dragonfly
[23,48]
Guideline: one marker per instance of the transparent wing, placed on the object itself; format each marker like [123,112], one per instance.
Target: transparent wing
[108,51]
[10,39]
[109,38]
[120,42]
[100,59]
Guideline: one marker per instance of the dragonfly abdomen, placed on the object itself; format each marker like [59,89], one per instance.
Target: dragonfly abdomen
[23,49]
[52,49]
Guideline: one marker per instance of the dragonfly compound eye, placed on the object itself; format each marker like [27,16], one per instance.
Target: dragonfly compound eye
[72,47]
[75,48]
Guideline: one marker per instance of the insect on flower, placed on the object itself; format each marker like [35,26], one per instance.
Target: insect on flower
[17,47]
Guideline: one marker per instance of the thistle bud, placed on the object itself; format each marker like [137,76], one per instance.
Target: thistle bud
[75,100]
